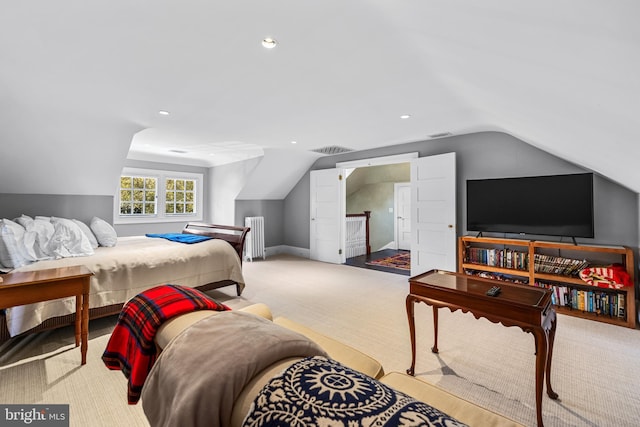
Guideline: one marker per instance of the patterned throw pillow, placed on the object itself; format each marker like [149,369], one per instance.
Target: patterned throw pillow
[321,392]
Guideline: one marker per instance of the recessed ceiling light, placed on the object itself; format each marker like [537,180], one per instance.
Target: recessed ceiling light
[294,142]
[405,116]
[269,43]
[163,113]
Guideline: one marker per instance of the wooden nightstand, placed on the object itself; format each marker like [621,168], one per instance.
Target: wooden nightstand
[35,286]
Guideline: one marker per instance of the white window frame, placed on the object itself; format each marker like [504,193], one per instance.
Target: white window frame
[160,216]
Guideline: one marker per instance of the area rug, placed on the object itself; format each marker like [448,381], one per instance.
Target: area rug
[400,261]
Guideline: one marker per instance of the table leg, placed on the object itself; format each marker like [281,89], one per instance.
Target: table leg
[434,349]
[412,332]
[541,363]
[551,338]
[85,322]
[78,318]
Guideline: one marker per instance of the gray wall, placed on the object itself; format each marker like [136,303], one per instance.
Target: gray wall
[485,155]
[82,208]
[297,214]
[480,155]
[271,210]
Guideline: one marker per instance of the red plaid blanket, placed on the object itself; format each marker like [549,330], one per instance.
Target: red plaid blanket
[131,347]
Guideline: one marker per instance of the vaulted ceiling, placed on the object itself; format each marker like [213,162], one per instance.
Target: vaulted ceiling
[82,83]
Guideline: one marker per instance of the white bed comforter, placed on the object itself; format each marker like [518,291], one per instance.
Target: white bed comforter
[135,264]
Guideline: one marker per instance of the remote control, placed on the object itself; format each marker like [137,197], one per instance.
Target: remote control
[494,291]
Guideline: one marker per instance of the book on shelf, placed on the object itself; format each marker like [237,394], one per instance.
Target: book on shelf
[558,265]
[504,258]
[598,301]
[498,276]
[581,299]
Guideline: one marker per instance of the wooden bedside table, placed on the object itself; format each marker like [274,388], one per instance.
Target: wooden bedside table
[28,287]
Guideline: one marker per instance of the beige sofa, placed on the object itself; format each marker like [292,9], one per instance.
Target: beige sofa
[454,406]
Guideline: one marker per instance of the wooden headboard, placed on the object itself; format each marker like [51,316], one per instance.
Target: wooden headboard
[234,235]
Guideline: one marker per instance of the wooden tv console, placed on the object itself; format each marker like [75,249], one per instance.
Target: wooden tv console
[623,309]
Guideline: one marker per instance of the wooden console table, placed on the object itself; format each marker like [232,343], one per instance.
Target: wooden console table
[527,307]
[28,287]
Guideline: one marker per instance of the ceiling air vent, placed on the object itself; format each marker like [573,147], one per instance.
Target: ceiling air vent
[332,149]
[440,135]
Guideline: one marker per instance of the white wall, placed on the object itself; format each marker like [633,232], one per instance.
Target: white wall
[225,183]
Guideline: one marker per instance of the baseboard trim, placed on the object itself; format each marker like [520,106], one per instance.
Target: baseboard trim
[288,250]
[283,249]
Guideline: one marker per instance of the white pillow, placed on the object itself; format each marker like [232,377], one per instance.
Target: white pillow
[31,248]
[11,251]
[104,232]
[68,239]
[87,231]
[36,239]
[24,220]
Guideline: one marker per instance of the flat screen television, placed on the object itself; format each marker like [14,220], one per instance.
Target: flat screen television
[555,205]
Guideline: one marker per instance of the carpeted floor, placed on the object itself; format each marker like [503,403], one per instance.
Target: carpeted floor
[595,367]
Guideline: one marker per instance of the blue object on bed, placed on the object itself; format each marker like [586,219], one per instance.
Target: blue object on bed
[180,237]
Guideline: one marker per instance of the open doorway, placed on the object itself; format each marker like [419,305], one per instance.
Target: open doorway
[384,191]
[433,210]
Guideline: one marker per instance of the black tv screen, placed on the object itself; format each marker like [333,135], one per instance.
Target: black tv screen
[556,205]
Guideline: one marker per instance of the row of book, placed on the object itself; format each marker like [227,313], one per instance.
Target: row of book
[591,301]
[605,303]
[505,258]
[518,260]
[522,280]
[558,265]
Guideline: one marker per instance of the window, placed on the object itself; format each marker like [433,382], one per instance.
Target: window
[146,195]
[180,196]
[138,195]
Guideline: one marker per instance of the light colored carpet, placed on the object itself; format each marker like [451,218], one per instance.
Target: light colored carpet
[595,366]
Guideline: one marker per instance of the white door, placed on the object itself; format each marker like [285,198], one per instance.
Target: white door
[402,202]
[433,213]
[327,216]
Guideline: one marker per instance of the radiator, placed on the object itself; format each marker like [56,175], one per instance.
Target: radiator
[255,238]
[356,239]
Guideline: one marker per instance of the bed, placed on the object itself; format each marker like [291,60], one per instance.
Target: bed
[133,265]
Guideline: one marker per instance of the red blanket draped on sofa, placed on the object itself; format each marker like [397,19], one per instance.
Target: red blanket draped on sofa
[131,347]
